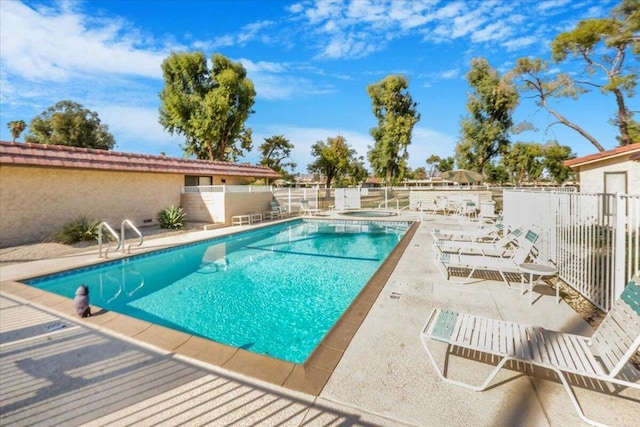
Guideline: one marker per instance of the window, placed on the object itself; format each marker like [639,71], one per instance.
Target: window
[192,181]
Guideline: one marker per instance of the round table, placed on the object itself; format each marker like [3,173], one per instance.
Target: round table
[539,270]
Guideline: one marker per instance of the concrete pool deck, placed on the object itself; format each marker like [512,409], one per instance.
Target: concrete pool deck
[109,369]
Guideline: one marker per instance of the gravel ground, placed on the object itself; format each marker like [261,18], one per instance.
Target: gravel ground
[37,251]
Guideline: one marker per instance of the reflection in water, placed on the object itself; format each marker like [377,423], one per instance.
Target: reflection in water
[112,284]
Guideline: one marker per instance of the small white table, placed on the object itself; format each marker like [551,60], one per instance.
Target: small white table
[539,270]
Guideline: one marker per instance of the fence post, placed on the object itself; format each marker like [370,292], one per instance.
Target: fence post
[619,247]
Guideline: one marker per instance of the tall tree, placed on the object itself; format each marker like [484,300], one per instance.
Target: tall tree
[16,127]
[274,151]
[531,74]
[496,174]
[446,164]
[603,45]
[209,107]
[69,123]
[357,171]
[485,131]
[433,162]
[332,159]
[524,162]
[554,157]
[396,113]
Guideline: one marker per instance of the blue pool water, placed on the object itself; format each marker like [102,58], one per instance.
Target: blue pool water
[274,291]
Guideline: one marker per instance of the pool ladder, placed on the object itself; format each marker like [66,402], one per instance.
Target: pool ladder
[119,239]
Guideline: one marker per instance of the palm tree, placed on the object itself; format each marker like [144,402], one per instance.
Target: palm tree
[16,127]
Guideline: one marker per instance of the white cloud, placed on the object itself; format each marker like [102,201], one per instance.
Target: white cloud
[495,31]
[425,142]
[519,43]
[450,74]
[58,45]
[136,129]
[551,4]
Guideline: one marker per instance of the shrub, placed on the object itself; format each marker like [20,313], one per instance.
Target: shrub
[172,217]
[78,230]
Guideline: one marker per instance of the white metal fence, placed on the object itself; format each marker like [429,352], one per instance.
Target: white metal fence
[593,239]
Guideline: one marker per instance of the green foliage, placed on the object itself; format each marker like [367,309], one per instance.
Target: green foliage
[357,172]
[433,162]
[496,174]
[446,164]
[16,127]
[69,123]
[419,173]
[78,230]
[333,158]
[396,113]
[208,107]
[485,131]
[603,45]
[172,218]
[554,157]
[524,162]
[273,151]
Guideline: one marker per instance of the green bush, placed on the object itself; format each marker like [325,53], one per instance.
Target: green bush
[78,230]
[172,218]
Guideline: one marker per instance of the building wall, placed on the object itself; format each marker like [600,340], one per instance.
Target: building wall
[204,207]
[36,202]
[592,175]
[246,203]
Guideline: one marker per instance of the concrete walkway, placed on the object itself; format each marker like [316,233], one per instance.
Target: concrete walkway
[59,370]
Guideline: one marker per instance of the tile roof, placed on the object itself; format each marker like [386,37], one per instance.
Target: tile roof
[59,156]
[616,152]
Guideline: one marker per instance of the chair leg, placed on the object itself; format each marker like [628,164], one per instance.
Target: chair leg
[441,375]
[575,402]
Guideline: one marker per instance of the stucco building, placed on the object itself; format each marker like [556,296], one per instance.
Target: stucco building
[611,171]
[43,187]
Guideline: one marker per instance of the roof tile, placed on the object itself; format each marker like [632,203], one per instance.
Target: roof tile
[26,154]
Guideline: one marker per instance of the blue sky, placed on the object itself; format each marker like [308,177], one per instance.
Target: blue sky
[310,61]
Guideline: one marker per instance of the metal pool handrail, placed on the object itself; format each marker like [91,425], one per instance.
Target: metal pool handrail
[102,225]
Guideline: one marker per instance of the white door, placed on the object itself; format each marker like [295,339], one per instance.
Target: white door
[614,182]
[347,198]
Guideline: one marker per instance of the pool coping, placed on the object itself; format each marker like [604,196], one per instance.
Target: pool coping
[309,377]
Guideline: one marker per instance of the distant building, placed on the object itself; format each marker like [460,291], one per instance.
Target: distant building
[44,187]
[611,171]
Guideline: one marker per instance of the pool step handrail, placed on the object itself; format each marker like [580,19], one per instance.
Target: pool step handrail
[386,204]
[122,235]
[111,231]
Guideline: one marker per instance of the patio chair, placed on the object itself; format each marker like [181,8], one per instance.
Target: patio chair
[500,247]
[305,209]
[485,232]
[439,205]
[448,262]
[601,357]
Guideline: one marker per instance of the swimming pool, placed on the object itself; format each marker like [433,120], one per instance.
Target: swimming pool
[275,291]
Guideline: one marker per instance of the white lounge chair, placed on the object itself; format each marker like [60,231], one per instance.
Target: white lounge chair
[305,209]
[448,262]
[484,232]
[501,247]
[601,357]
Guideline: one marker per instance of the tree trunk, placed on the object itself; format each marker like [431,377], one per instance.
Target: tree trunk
[573,126]
[622,118]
